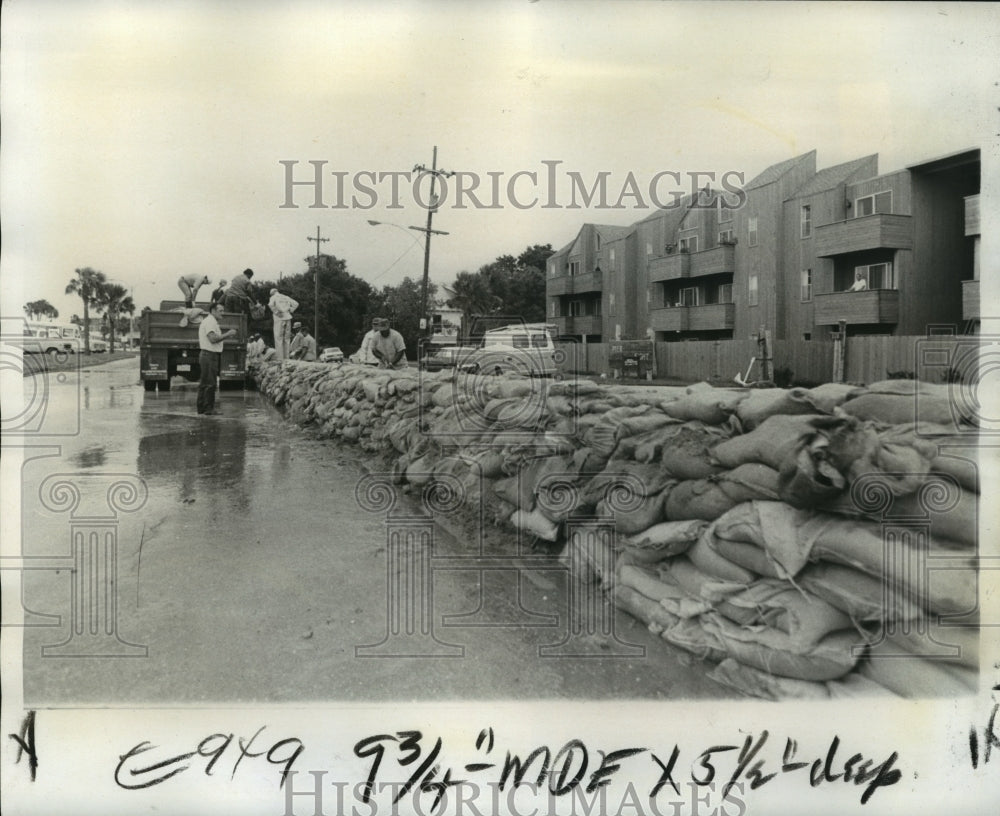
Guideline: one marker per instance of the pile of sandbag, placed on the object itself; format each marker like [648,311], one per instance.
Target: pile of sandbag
[749,526]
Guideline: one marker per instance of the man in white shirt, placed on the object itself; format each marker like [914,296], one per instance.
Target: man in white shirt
[282,307]
[189,285]
[860,284]
[388,345]
[210,341]
[305,350]
[364,355]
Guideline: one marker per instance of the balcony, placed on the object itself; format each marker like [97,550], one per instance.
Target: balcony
[970,300]
[972,215]
[880,231]
[579,324]
[669,267]
[712,317]
[574,284]
[873,306]
[716,261]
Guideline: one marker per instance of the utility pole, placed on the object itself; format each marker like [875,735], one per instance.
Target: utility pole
[425,322]
[318,241]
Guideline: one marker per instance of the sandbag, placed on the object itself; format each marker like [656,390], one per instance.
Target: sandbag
[769,444]
[711,563]
[670,596]
[854,685]
[663,540]
[653,614]
[768,651]
[762,403]
[705,404]
[689,634]
[763,685]
[768,538]
[590,557]
[804,618]
[710,498]
[687,576]
[915,677]
[896,409]
[856,593]
[642,514]
[534,523]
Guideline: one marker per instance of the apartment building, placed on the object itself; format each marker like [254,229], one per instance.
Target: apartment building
[787,258]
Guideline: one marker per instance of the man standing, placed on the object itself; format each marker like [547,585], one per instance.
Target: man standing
[388,346]
[219,293]
[189,285]
[210,341]
[239,296]
[306,349]
[282,307]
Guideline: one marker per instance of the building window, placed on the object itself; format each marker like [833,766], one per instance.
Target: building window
[649,297]
[878,276]
[807,285]
[726,236]
[574,267]
[598,242]
[725,293]
[752,291]
[689,296]
[611,304]
[805,222]
[725,213]
[871,204]
[689,244]
[807,336]
[649,248]
[611,252]
[552,269]
[752,231]
[552,309]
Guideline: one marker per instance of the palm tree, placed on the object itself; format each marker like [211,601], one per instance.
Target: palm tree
[86,284]
[113,298]
[40,308]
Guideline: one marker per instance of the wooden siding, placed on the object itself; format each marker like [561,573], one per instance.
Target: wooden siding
[711,317]
[712,262]
[669,267]
[579,324]
[875,306]
[972,215]
[574,284]
[867,360]
[670,319]
[881,231]
[970,300]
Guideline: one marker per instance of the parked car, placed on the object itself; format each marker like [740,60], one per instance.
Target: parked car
[440,357]
[331,355]
[525,348]
[98,345]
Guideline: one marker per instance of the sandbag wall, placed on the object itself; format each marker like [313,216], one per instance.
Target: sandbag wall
[752,526]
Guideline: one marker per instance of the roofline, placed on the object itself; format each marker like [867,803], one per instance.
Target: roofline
[969,155]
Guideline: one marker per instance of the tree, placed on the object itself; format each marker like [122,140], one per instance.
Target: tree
[508,285]
[113,299]
[344,301]
[40,308]
[86,284]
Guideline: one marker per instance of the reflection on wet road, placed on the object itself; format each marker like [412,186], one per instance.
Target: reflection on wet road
[251,573]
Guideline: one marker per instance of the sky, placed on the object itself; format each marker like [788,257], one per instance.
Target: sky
[146,139]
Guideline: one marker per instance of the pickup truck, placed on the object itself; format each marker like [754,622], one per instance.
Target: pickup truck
[168,350]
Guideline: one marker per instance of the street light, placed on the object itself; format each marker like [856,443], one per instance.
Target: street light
[425,324]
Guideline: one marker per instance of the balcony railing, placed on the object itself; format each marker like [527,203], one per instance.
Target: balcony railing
[669,267]
[972,215]
[575,284]
[712,317]
[716,261]
[873,306]
[579,324]
[880,231]
[970,300]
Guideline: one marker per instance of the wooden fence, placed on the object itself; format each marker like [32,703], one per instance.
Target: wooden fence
[867,359]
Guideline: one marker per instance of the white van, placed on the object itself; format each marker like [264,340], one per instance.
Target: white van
[524,348]
[48,338]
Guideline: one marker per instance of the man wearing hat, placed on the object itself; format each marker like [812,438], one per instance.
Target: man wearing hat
[189,285]
[296,344]
[306,348]
[282,307]
[388,346]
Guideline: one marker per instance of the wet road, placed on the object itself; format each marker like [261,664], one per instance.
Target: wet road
[249,572]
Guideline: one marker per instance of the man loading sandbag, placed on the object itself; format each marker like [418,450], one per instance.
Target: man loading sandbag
[388,346]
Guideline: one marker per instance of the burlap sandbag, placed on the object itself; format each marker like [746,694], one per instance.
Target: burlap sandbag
[763,685]
[687,576]
[642,513]
[651,613]
[936,406]
[670,596]
[534,523]
[771,442]
[689,634]
[764,537]
[773,652]
[705,404]
[915,677]
[857,594]
[663,540]
[708,561]
[710,498]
